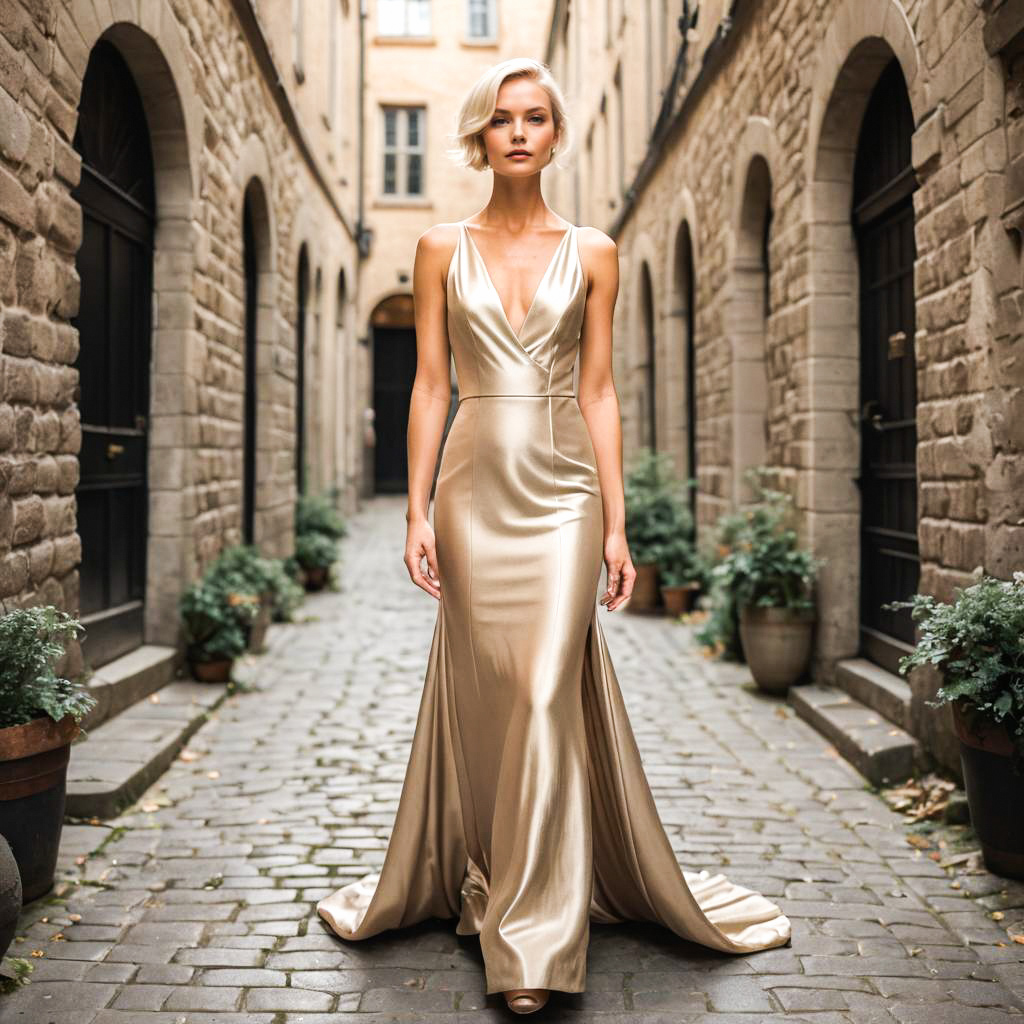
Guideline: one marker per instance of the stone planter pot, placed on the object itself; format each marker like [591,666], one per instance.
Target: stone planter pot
[10,896]
[645,588]
[216,671]
[33,785]
[995,791]
[679,599]
[257,633]
[777,645]
[316,578]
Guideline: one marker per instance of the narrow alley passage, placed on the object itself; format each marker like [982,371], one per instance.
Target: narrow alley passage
[199,901]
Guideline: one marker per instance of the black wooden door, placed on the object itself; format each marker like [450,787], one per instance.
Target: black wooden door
[394,369]
[302,304]
[884,223]
[115,265]
[249,428]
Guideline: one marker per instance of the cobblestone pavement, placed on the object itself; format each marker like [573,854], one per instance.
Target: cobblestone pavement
[198,904]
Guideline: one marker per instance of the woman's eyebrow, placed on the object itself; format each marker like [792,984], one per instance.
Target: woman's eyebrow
[502,110]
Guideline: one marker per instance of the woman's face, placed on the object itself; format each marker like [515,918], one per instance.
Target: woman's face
[521,124]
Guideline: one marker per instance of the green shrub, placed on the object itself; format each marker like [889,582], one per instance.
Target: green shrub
[213,619]
[315,513]
[659,524]
[31,639]
[315,550]
[976,642]
[757,562]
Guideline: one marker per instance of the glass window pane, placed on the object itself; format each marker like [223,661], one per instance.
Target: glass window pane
[479,19]
[389,173]
[415,177]
[414,127]
[391,17]
[418,17]
[390,127]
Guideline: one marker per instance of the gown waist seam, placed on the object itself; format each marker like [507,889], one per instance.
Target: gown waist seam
[463,398]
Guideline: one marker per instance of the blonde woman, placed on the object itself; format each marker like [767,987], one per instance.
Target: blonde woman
[525,811]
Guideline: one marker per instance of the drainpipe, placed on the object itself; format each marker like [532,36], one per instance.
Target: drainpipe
[362,233]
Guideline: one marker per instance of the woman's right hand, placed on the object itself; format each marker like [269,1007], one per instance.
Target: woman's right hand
[419,544]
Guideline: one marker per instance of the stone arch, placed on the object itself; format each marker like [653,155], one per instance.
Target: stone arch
[643,259]
[746,311]
[153,49]
[863,36]
[259,377]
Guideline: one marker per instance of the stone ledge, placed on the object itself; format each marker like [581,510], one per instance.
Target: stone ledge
[879,750]
[880,690]
[113,764]
[128,679]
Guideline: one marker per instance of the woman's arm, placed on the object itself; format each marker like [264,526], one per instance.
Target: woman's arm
[599,404]
[430,399]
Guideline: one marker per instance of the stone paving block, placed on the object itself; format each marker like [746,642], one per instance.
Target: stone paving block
[219,883]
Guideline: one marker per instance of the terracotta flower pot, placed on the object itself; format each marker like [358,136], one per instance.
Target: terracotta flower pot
[315,578]
[33,784]
[645,588]
[777,645]
[216,671]
[679,599]
[995,791]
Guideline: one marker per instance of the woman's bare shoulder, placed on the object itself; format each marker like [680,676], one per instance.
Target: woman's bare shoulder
[594,240]
[439,239]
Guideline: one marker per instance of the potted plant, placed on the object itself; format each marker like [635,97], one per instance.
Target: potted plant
[771,580]
[658,522]
[315,553]
[212,618]
[315,513]
[976,643]
[680,574]
[720,632]
[40,714]
[243,568]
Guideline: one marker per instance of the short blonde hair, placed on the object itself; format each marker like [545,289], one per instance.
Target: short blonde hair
[478,107]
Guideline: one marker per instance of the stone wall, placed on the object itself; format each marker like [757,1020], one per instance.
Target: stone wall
[215,126]
[779,98]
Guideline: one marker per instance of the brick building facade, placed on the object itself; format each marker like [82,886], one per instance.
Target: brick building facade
[177,222]
[818,208]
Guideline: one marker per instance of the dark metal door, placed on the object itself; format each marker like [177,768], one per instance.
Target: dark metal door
[115,265]
[394,369]
[883,217]
[302,295]
[249,438]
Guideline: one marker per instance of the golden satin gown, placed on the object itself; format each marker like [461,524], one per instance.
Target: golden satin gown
[525,811]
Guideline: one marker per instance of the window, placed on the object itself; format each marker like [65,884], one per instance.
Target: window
[482,19]
[403,151]
[403,17]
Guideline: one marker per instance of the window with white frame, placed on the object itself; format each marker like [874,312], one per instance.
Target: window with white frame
[402,171]
[481,17]
[403,17]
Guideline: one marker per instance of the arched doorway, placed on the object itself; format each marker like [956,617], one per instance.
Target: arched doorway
[251,267]
[115,265]
[748,311]
[686,334]
[301,307]
[647,414]
[394,370]
[883,223]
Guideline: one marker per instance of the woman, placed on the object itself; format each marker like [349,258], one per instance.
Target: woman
[525,811]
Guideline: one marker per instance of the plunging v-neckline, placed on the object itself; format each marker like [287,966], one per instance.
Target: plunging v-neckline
[497,295]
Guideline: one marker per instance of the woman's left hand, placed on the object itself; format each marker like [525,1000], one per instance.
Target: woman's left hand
[621,573]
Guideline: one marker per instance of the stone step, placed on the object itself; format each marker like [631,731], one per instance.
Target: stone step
[876,687]
[113,764]
[126,680]
[878,749]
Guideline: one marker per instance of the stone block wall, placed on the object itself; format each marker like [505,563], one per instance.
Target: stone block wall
[214,126]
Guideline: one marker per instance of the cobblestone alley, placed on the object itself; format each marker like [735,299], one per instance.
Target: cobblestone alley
[197,905]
